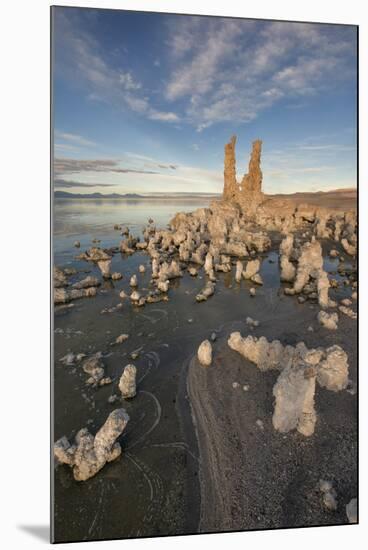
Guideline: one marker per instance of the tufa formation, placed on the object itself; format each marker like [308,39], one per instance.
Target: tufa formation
[248,194]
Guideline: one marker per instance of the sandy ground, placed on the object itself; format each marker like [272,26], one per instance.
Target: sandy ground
[253,477]
[339,199]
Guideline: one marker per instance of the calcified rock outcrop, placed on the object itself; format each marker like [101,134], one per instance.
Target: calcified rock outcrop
[96,370]
[300,369]
[287,268]
[328,494]
[348,311]
[294,393]
[88,454]
[63,296]
[88,282]
[249,193]
[127,383]
[105,268]
[231,187]
[169,271]
[333,370]
[121,338]
[163,286]
[99,257]
[205,353]
[309,268]
[206,292]
[328,320]
[60,279]
[252,269]
[239,271]
[352,510]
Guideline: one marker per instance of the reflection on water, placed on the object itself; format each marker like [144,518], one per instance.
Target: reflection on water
[84,220]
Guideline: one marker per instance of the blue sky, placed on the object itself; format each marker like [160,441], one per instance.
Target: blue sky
[145,102]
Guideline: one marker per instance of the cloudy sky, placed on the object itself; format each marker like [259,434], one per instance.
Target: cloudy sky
[145,102]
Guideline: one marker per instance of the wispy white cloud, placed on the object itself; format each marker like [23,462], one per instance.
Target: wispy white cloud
[74,138]
[166,117]
[228,70]
[327,147]
[80,58]
[66,147]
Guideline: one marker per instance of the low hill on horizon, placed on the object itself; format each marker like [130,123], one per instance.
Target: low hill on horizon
[340,199]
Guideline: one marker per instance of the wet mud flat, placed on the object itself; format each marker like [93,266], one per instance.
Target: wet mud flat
[160,483]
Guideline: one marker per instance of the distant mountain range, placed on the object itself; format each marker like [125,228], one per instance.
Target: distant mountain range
[66,195]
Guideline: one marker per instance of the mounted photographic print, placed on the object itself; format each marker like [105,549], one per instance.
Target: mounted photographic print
[204,240]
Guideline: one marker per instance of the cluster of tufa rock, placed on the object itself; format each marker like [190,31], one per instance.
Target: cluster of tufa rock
[300,369]
[88,454]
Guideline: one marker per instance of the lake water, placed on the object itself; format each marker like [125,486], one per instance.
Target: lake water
[84,220]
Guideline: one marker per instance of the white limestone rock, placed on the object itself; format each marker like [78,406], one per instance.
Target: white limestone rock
[89,454]
[205,353]
[251,269]
[239,271]
[333,370]
[328,320]
[352,510]
[127,382]
[294,393]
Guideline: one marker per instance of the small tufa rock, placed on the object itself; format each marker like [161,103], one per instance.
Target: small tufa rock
[328,320]
[205,353]
[88,454]
[135,296]
[352,510]
[163,286]
[239,271]
[252,322]
[133,281]
[141,269]
[96,370]
[328,494]
[348,312]
[252,291]
[76,244]
[213,336]
[251,269]
[70,359]
[122,338]
[206,292]
[116,276]
[127,383]
[88,282]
